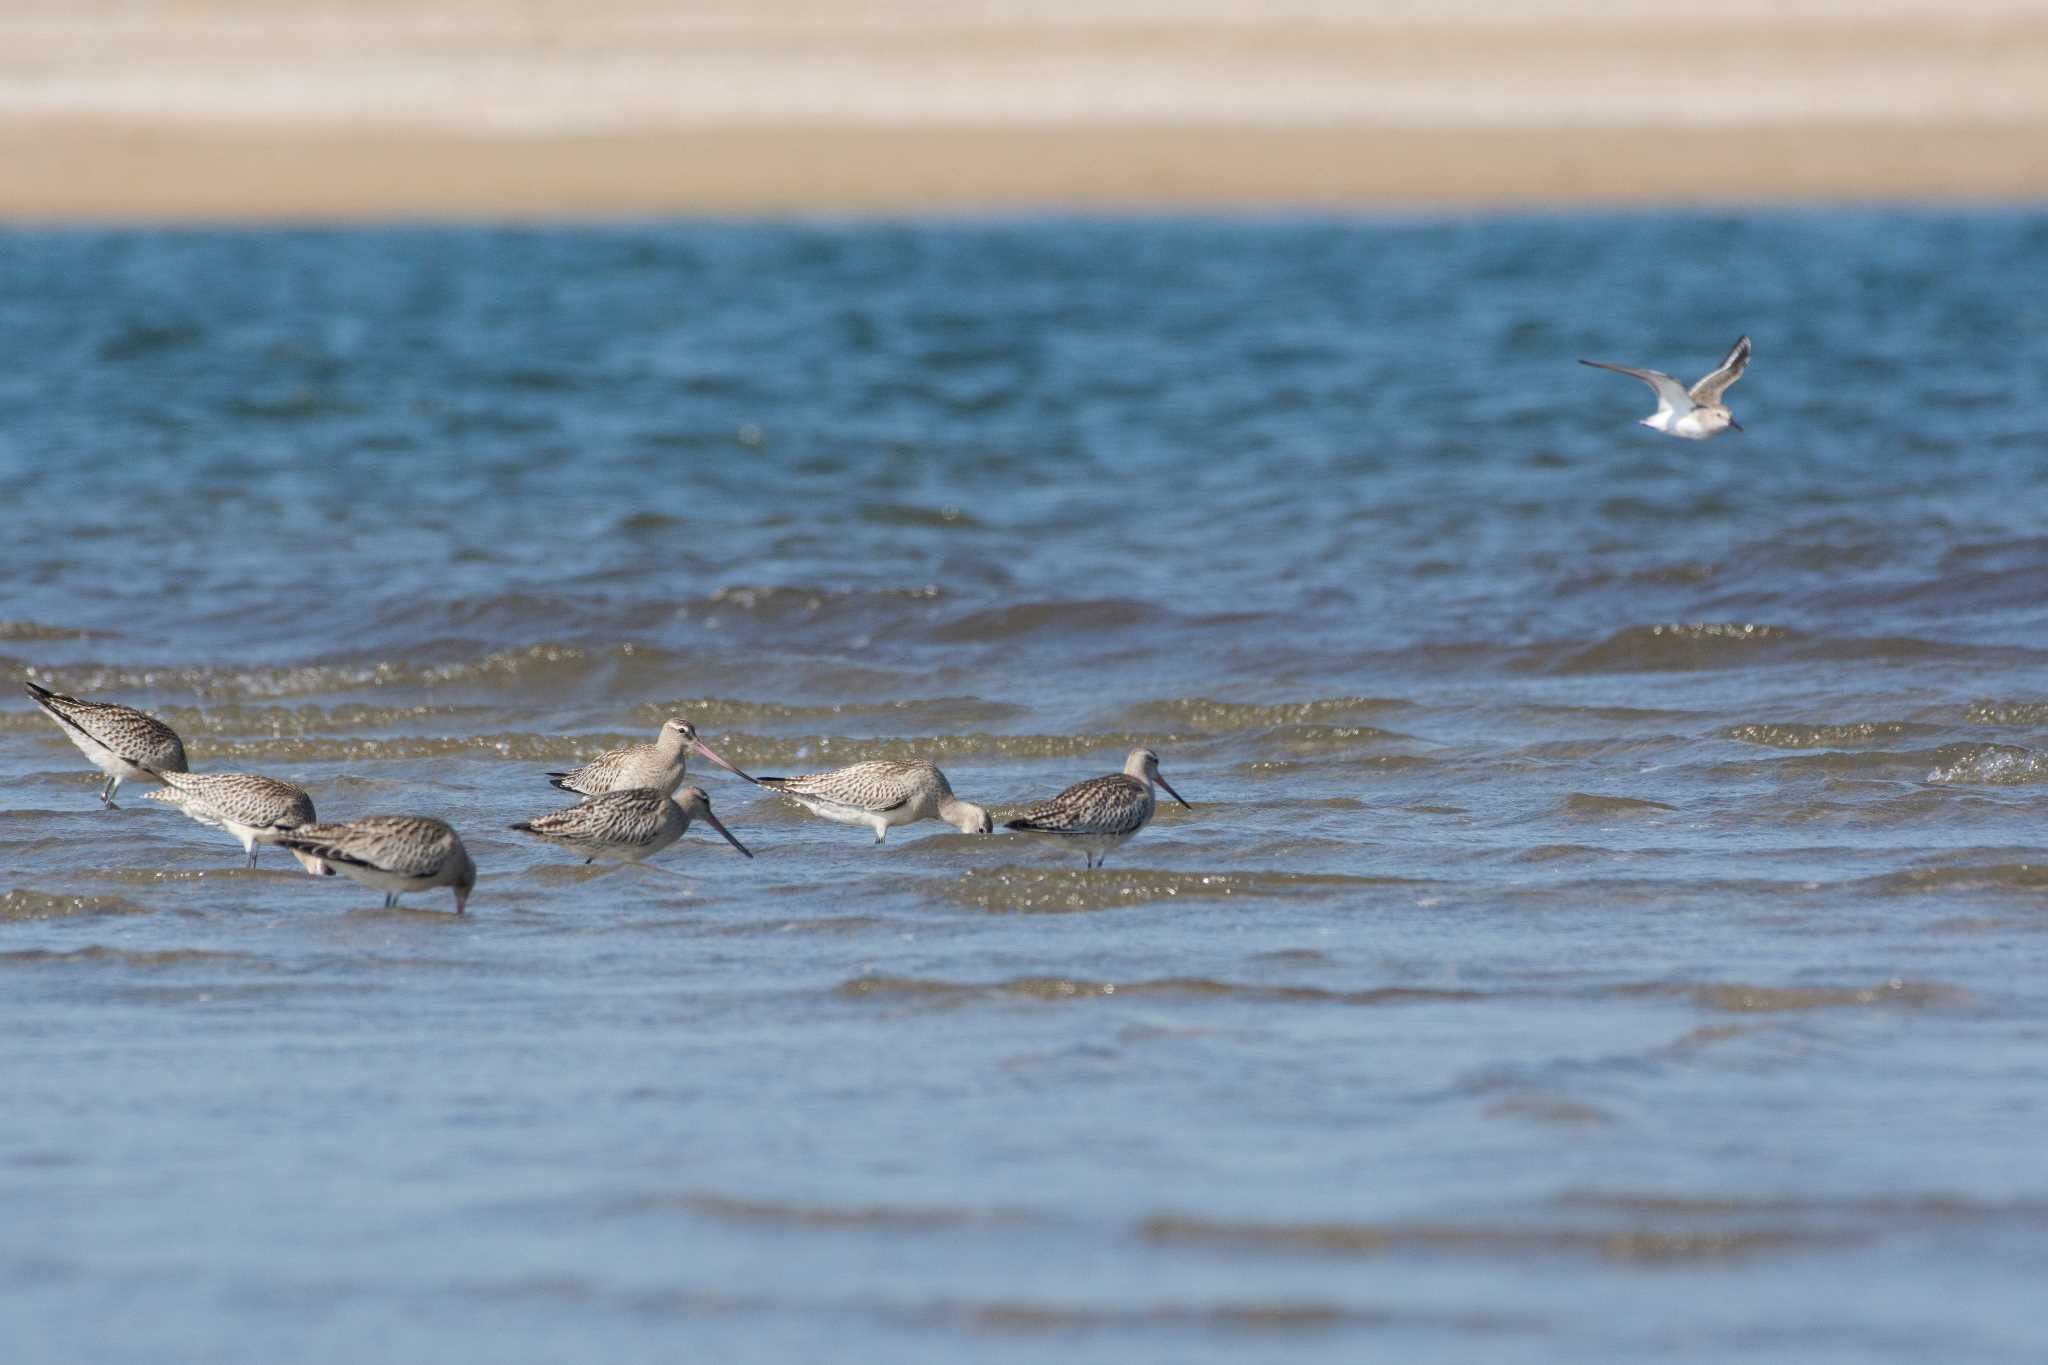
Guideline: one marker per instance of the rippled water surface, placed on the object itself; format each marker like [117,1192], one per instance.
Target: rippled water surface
[1610,925]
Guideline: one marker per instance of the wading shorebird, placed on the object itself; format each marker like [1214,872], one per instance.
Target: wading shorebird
[881,795]
[255,810]
[394,854]
[1695,413]
[122,742]
[1102,812]
[627,825]
[658,765]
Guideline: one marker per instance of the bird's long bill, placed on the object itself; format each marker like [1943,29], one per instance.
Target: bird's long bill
[1734,425]
[705,749]
[720,827]
[1174,794]
[315,867]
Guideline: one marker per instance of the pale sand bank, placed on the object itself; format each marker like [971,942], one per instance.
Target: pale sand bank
[75,170]
[320,109]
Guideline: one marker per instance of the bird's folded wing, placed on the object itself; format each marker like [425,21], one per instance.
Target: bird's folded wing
[333,853]
[1112,804]
[861,787]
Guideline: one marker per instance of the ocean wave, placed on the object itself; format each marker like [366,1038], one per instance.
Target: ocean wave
[1747,999]
[807,1215]
[1037,1316]
[1686,571]
[802,604]
[1359,764]
[23,904]
[908,514]
[715,712]
[99,955]
[1908,1206]
[517,746]
[296,404]
[1628,1245]
[1893,648]
[1862,807]
[1841,736]
[1988,765]
[1077,617]
[1606,715]
[1703,646]
[1551,853]
[36,630]
[815,752]
[549,671]
[234,718]
[528,667]
[1064,890]
[1678,648]
[133,337]
[1302,741]
[2030,878]
[1060,988]
[1611,747]
[1208,714]
[157,876]
[1547,1109]
[1588,806]
[2007,713]
[1898,764]
[805,752]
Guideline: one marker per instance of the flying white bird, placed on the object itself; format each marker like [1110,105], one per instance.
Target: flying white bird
[1695,413]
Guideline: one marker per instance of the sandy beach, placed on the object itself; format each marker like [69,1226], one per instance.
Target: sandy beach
[319,109]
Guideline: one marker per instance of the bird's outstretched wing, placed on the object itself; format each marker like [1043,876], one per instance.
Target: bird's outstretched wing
[1710,389]
[1671,395]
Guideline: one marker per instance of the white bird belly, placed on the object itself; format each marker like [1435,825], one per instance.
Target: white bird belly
[105,759]
[379,879]
[840,813]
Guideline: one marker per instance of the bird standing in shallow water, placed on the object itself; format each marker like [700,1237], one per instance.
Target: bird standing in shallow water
[394,854]
[882,794]
[1102,812]
[1696,413]
[256,810]
[121,741]
[626,826]
[658,765]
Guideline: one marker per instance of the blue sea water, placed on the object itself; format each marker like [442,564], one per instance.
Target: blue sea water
[1610,925]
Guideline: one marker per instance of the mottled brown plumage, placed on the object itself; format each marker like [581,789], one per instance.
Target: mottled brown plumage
[254,809]
[1103,812]
[121,741]
[626,826]
[881,794]
[658,765]
[394,854]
